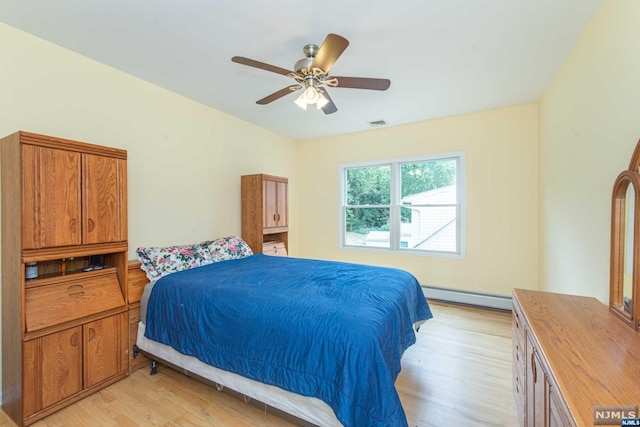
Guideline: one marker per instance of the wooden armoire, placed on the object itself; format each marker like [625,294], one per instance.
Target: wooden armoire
[64,272]
[265,213]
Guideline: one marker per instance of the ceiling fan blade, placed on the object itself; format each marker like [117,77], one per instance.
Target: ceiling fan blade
[277,95]
[329,52]
[330,108]
[362,83]
[257,64]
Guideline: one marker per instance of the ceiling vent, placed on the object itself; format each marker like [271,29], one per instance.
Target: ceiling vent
[378,123]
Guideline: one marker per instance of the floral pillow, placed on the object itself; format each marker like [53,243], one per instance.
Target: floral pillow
[232,247]
[161,261]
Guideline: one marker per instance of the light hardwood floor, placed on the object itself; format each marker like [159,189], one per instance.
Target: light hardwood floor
[458,373]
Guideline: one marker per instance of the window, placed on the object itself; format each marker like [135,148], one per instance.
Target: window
[404,205]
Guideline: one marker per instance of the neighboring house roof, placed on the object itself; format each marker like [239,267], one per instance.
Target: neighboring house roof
[431,228]
[442,240]
[438,196]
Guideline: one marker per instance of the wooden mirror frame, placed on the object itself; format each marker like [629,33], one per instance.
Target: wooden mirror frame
[629,177]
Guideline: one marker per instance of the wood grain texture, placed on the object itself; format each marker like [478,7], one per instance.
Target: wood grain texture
[73,297]
[102,216]
[51,254]
[457,373]
[51,195]
[251,196]
[12,276]
[591,357]
[61,365]
[71,145]
[105,348]
[136,281]
[274,248]
[264,210]
[42,196]
[519,363]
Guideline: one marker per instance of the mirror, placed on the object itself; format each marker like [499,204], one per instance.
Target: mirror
[627,287]
[624,290]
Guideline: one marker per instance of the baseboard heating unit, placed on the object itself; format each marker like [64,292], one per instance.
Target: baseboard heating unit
[499,302]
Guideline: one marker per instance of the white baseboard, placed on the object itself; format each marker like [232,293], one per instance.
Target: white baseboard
[464,297]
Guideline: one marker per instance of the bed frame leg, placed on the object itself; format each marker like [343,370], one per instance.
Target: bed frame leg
[154,367]
[136,351]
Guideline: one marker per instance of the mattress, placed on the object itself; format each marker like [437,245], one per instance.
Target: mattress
[309,409]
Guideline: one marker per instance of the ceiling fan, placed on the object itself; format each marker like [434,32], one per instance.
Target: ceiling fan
[311,74]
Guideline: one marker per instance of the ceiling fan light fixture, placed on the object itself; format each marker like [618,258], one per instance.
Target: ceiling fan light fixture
[322,101]
[311,94]
[301,101]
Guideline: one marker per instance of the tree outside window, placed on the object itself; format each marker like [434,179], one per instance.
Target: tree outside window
[409,204]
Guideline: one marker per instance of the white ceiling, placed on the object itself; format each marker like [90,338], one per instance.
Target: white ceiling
[443,57]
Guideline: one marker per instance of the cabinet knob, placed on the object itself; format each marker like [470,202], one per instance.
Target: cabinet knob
[91,223]
[74,340]
[92,334]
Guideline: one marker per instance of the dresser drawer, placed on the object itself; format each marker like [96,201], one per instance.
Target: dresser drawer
[519,341]
[519,330]
[274,248]
[137,280]
[519,352]
[75,298]
[520,394]
[519,372]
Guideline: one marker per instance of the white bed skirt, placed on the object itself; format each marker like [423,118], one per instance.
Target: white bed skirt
[309,409]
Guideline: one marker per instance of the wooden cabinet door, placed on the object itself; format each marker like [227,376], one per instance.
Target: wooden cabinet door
[51,197]
[274,204]
[105,348]
[558,416]
[281,204]
[32,381]
[269,204]
[537,390]
[61,365]
[52,369]
[103,199]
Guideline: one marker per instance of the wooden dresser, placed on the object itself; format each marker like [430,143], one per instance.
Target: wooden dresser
[64,320]
[570,354]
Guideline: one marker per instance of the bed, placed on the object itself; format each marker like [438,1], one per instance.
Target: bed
[319,340]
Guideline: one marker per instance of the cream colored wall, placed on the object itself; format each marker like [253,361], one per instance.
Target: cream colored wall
[184,159]
[589,126]
[501,156]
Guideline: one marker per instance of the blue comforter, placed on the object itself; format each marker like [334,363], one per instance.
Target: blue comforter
[331,330]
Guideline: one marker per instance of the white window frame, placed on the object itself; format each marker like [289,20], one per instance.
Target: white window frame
[396,205]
